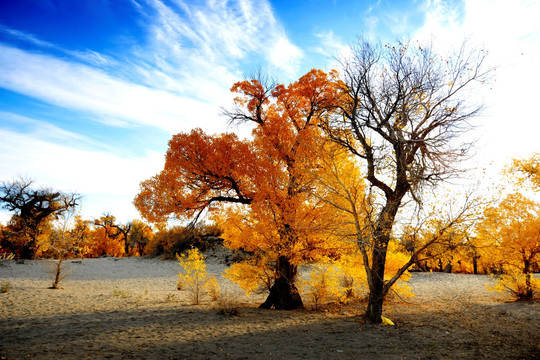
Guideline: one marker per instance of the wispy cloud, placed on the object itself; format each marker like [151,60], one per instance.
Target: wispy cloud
[181,73]
[175,78]
[331,45]
[57,161]
[218,34]
[80,87]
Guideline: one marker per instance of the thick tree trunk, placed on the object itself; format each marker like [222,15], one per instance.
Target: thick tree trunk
[475,264]
[376,290]
[284,294]
[126,248]
[381,238]
[28,250]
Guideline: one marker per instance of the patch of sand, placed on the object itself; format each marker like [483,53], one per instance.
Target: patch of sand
[130,308]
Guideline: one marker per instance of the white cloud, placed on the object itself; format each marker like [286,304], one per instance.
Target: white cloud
[176,79]
[79,87]
[285,56]
[219,33]
[332,45]
[93,173]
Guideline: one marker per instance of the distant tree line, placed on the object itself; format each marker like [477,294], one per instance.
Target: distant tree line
[45,224]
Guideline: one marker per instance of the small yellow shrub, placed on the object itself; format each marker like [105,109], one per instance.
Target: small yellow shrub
[194,276]
[345,279]
[515,284]
[323,284]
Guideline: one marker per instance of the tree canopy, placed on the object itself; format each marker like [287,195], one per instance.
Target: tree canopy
[283,223]
[31,209]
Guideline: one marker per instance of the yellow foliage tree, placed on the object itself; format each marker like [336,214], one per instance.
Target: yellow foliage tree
[194,276]
[513,227]
[252,275]
[526,170]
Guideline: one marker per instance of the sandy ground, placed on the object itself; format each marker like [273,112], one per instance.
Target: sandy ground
[130,308]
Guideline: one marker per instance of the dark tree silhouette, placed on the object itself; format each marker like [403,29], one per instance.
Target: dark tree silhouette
[31,209]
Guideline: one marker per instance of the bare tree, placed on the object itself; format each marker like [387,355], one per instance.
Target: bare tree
[31,208]
[403,115]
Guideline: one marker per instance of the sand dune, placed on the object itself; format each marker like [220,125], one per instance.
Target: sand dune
[130,308]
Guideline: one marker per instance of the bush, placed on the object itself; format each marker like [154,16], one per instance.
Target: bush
[227,307]
[57,273]
[7,256]
[176,240]
[323,284]
[252,275]
[520,286]
[5,287]
[195,278]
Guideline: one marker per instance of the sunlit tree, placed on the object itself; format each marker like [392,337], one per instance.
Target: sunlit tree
[513,227]
[403,113]
[263,185]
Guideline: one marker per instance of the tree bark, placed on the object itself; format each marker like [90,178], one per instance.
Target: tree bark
[381,237]
[284,293]
[376,291]
[475,264]
[528,284]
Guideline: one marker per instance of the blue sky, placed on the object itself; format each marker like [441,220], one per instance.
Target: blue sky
[92,90]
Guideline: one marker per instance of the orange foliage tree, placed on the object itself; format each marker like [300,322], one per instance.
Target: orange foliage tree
[263,186]
[105,238]
[115,230]
[141,235]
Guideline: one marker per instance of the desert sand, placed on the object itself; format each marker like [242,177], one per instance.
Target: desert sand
[129,308]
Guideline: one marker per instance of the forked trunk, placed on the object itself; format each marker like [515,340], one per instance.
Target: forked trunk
[381,238]
[284,293]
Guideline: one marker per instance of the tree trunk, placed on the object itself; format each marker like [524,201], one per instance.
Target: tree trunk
[126,248]
[284,294]
[376,290]
[28,250]
[381,238]
[448,268]
[528,284]
[475,264]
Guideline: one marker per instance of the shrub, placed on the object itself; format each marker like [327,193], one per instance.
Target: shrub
[57,273]
[323,284]
[252,275]
[7,256]
[170,298]
[120,294]
[520,286]
[5,287]
[194,276]
[227,307]
[345,279]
